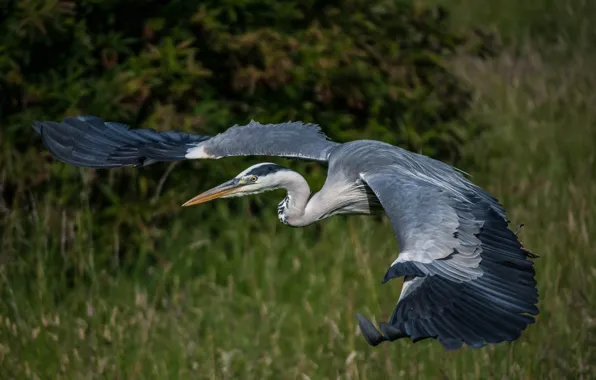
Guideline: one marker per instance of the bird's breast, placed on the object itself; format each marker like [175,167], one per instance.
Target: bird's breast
[282,210]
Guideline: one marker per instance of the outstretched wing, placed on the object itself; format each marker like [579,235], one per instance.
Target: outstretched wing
[466,277]
[88,141]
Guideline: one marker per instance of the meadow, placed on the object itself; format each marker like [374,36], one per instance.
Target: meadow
[266,301]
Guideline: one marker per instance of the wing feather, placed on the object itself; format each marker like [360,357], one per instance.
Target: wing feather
[292,139]
[89,141]
[467,280]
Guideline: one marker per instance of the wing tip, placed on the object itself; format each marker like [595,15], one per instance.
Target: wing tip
[89,141]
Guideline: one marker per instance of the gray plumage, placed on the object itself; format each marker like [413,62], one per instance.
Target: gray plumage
[467,279]
[292,139]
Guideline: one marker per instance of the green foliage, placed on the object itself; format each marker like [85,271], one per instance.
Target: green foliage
[213,295]
[561,24]
[249,298]
[360,69]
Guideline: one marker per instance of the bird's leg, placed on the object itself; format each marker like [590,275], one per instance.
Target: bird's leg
[526,251]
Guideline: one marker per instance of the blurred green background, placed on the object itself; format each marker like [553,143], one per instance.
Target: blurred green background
[103,275]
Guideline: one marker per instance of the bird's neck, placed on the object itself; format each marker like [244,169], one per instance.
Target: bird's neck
[293,209]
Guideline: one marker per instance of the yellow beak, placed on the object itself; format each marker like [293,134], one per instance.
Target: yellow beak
[227,188]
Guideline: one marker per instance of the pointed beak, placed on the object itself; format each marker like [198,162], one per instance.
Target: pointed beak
[224,189]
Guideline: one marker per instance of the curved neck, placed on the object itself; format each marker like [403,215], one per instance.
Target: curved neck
[293,209]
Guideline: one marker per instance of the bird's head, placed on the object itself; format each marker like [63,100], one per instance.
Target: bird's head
[254,180]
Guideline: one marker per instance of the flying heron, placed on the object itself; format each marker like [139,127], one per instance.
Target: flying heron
[467,278]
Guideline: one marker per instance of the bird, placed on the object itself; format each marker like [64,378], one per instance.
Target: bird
[467,279]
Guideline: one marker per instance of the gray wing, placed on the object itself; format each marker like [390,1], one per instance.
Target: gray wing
[89,141]
[466,277]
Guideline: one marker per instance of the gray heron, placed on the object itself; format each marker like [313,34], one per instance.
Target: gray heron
[467,278]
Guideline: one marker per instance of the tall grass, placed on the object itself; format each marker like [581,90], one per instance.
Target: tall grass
[266,301]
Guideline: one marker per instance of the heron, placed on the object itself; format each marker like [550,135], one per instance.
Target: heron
[467,279]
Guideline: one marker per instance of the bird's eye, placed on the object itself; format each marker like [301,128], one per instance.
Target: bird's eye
[253,178]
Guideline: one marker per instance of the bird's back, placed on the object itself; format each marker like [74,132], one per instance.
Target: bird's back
[348,161]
